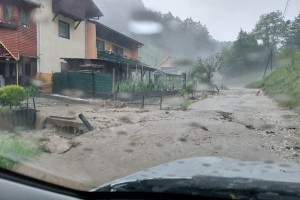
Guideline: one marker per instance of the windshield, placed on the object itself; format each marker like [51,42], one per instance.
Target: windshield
[96,90]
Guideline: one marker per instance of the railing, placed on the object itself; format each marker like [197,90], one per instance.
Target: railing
[13,23]
[117,58]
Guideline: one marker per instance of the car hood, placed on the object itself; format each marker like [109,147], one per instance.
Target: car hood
[217,167]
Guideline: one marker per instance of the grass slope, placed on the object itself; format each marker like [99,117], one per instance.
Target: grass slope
[152,55]
[283,85]
[13,151]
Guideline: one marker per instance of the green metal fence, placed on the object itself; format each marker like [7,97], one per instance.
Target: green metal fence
[89,82]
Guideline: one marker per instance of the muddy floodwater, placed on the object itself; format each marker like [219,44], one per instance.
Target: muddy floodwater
[235,123]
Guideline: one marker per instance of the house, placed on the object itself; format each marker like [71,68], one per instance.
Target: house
[37,34]
[172,65]
[112,58]
[171,73]
[62,32]
[111,51]
[109,40]
[167,62]
[18,41]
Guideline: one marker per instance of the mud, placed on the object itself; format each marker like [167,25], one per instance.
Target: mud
[234,123]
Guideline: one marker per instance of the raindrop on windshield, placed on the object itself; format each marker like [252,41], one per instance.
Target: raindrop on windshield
[145,27]
[144,23]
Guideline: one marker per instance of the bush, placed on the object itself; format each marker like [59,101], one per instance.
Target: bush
[131,86]
[32,90]
[12,95]
[223,87]
[182,92]
[190,89]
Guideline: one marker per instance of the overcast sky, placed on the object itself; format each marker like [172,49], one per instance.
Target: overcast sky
[224,18]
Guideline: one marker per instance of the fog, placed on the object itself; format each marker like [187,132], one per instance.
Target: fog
[193,29]
[182,38]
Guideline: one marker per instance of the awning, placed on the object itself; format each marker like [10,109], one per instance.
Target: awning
[5,53]
[122,62]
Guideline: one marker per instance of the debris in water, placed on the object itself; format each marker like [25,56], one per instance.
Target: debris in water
[226,116]
[204,128]
[250,127]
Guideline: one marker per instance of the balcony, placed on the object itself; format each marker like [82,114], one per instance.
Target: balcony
[110,56]
[10,24]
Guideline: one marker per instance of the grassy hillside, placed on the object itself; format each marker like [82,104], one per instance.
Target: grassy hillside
[152,55]
[283,84]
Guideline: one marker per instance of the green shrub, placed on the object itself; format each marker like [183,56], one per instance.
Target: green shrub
[12,95]
[131,86]
[32,90]
[190,89]
[182,92]
[223,87]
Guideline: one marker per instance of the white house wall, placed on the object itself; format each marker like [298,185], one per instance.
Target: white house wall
[51,47]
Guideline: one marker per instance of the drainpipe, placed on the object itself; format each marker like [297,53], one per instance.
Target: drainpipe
[85,38]
[39,46]
[17,72]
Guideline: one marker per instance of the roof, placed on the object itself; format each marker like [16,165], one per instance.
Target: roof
[29,2]
[92,10]
[112,35]
[166,62]
[77,10]
[5,53]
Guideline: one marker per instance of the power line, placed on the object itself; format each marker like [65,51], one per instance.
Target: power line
[286,7]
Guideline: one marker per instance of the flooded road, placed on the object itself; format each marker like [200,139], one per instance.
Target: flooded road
[234,123]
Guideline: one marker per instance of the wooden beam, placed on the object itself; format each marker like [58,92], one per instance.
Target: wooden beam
[77,25]
[54,17]
[17,73]
[113,80]
[127,72]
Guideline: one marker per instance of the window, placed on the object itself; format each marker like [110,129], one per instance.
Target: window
[7,13]
[24,18]
[64,29]
[118,50]
[20,69]
[27,69]
[100,45]
[12,67]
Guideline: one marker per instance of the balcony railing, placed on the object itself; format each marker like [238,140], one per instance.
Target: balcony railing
[13,23]
[110,56]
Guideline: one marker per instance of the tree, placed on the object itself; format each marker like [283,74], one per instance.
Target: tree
[271,28]
[206,69]
[294,33]
[244,56]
